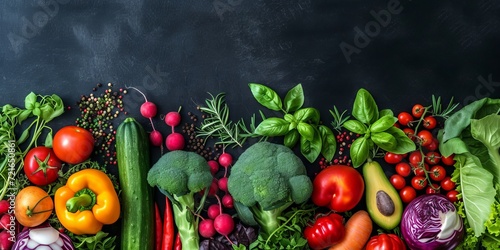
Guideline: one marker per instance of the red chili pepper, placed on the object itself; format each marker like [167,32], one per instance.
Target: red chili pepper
[158,227]
[168,227]
[178,243]
[385,241]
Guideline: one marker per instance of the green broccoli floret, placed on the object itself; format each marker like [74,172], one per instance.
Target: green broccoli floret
[180,175]
[266,180]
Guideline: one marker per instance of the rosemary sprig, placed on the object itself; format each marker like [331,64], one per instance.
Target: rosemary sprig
[437,108]
[338,118]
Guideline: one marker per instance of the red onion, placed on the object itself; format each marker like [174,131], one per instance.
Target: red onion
[42,238]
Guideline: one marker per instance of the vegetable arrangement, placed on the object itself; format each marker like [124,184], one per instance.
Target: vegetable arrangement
[426,178]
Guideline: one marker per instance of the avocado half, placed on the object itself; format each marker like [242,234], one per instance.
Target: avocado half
[382,200]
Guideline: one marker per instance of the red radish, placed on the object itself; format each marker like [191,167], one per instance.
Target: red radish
[213,211]
[223,184]
[5,242]
[4,206]
[206,228]
[5,221]
[148,109]
[224,224]
[173,118]
[175,141]
[156,138]
[227,201]
[225,160]
[214,188]
[214,166]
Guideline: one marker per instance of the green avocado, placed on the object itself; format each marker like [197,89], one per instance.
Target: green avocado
[382,200]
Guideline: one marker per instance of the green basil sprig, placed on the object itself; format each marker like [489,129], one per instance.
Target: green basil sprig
[375,127]
[298,125]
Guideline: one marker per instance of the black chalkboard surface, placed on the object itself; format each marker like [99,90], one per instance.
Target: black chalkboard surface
[177,52]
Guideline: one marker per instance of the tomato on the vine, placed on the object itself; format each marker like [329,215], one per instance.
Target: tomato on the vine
[432,157]
[432,188]
[452,195]
[437,173]
[41,166]
[433,146]
[429,122]
[447,184]
[393,158]
[404,118]
[419,182]
[403,169]
[425,137]
[421,169]
[73,144]
[410,133]
[448,161]
[407,194]
[418,110]
[397,181]
[415,158]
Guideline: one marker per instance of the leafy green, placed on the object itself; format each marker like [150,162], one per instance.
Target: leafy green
[267,97]
[487,131]
[294,98]
[365,109]
[100,241]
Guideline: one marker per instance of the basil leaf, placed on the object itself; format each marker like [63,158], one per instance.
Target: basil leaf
[404,144]
[58,107]
[294,99]
[384,140]
[48,140]
[307,115]
[289,118]
[329,143]
[46,112]
[365,109]
[291,138]
[385,112]
[306,130]
[360,148]
[272,126]
[311,149]
[24,135]
[383,123]
[24,115]
[29,101]
[266,96]
[355,126]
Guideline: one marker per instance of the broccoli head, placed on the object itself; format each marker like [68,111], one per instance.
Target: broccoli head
[267,178]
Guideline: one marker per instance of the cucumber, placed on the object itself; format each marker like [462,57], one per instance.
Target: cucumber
[132,152]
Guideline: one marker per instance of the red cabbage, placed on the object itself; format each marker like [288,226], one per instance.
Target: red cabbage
[430,222]
[42,237]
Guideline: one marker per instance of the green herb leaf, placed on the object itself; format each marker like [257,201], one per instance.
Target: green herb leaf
[57,106]
[365,108]
[384,140]
[294,98]
[266,96]
[385,112]
[311,149]
[329,143]
[273,126]
[29,101]
[291,138]
[24,115]
[404,144]
[306,130]
[24,136]
[355,126]
[384,123]
[310,115]
[360,148]
[48,140]
[46,112]
[487,131]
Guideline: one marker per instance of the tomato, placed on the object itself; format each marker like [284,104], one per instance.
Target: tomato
[410,133]
[448,161]
[326,231]
[420,170]
[338,187]
[415,158]
[452,195]
[397,181]
[432,157]
[393,158]
[419,182]
[418,110]
[403,169]
[429,122]
[404,118]
[73,144]
[41,166]
[437,173]
[407,194]
[447,184]
[432,189]
[425,138]
[433,146]
[385,242]
[33,206]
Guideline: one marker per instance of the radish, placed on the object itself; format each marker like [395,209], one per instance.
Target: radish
[214,166]
[225,160]
[227,201]
[213,211]
[206,228]
[224,224]
[223,184]
[156,138]
[148,109]
[4,206]
[175,141]
[5,221]
[173,118]
[214,188]
[5,242]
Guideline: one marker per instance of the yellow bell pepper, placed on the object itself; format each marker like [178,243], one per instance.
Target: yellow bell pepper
[86,202]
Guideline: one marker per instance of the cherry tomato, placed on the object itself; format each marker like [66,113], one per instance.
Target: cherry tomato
[73,144]
[403,169]
[432,188]
[326,231]
[404,118]
[433,146]
[429,122]
[420,170]
[418,110]
[452,195]
[415,158]
[448,161]
[437,173]
[407,194]
[41,166]
[419,182]
[397,181]
[447,184]
[410,133]
[432,157]
[393,158]
[385,242]
[425,137]
[338,187]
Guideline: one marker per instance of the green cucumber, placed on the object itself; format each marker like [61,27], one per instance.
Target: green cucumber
[132,152]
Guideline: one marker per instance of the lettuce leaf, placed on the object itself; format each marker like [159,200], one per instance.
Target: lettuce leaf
[487,131]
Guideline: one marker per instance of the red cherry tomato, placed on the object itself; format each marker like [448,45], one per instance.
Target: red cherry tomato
[397,181]
[415,158]
[407,194]
[448,161]
[403,169]
[432,188]
[419,182]
[338,187]
[425,137]
[429,122]
[326,231]
[393,158]
[41,166]
[433,146]
[418,110]
[404,118]
[73,144]
[432,157]
[447,184]
[452,195]
[410,133]
[385,242]
[420,170]
[437,173]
